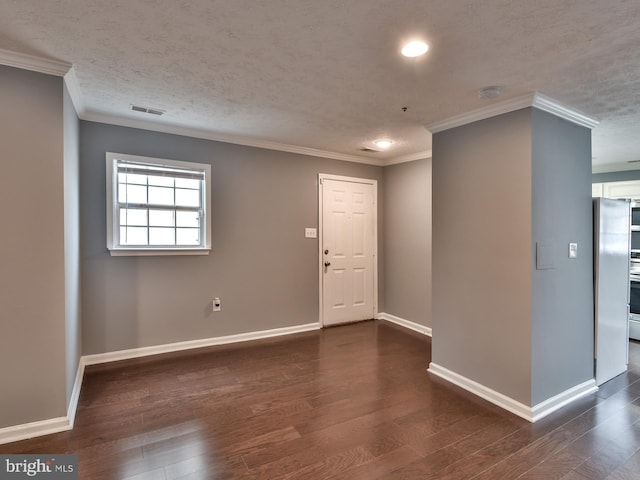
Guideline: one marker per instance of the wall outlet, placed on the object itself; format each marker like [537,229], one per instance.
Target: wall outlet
[310,233]
[217,306]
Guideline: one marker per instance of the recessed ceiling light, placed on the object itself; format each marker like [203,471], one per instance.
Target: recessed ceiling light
[415,49]
[383,143]
[487,93]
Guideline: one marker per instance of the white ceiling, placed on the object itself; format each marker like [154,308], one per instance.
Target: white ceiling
[327,74]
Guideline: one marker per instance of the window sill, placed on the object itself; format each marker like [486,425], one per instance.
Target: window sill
[158,252]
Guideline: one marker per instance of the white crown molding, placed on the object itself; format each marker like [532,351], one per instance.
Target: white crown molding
[33,63]
[99,117]
[532,414]
[483,113]
[549,105]
[416,327]
[218,137]
[537,100]
[73,87]
[411,157]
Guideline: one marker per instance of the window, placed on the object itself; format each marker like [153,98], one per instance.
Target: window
[157,206]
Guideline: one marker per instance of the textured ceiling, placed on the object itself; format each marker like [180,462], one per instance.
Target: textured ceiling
[327,74]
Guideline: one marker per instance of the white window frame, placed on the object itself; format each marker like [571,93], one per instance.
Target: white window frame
[113,227]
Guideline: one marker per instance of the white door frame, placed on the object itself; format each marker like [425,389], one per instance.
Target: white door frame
[327,176]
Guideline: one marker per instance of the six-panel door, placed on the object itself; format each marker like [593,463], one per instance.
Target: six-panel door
[347,251]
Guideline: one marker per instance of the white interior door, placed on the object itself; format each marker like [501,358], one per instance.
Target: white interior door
[348,249]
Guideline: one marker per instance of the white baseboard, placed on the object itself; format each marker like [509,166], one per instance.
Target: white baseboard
[75,393]
[34,429]
[46,427]
[552,404]
[54,425]
[532,414]
[190,344]
[416,327]
[480,390]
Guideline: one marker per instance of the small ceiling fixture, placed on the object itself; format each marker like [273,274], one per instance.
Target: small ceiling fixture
[415,49]
[487,93]
[383,143]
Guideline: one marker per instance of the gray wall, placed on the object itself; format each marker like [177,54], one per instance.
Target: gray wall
[615,176]
[73,344]
[562,297]
[407,241]
[500,186]
[261,266]
[481,252]
[32,287]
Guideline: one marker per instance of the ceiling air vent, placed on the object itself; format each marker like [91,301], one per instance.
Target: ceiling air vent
[366,149]
[152,111]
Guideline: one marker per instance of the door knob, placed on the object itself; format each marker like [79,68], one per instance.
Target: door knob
[326,264]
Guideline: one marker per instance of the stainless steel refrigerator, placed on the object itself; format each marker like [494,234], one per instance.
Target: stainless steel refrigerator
[612,246]
[634,295]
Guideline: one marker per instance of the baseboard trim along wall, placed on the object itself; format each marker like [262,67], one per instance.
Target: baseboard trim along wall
[190,344]
[75,393]
[480,390]
[552,404]
[416,327]
[34,429]
[532,414]
[54,425]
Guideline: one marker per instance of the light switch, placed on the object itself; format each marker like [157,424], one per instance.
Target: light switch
[573,250]
[310,233]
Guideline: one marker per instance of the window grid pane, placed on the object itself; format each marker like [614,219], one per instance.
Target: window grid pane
[161,181]
[188,236]
[161,196]
[133,236]
[132,193]
[132,178]
[133,217]
[162,218]
[188,183]
[159,236]
[188,219]
[187,198]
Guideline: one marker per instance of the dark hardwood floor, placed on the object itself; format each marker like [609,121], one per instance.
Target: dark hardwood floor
[351,402]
